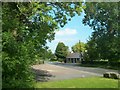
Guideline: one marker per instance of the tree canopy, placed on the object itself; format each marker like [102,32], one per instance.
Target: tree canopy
[79,47]
[26,28]
[103,19]
[61,50]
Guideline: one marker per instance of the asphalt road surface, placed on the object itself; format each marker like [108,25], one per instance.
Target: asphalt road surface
[61,71]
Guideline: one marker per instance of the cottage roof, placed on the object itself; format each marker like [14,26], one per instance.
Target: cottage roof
[73,55]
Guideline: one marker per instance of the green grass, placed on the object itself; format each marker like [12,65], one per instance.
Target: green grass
[94,82]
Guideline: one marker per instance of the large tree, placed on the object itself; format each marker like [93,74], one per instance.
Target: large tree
[26,28]
[103,18]
[79,47]
[61,50]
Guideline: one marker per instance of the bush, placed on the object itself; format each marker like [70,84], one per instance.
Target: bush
[53,59]
[112,75]
[60,60]
[106,75]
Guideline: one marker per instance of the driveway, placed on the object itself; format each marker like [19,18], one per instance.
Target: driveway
[51,72]
[99,71]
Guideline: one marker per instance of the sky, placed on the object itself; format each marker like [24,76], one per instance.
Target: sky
[71,33]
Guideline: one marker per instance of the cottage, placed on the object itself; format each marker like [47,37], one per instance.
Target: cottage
[73,58]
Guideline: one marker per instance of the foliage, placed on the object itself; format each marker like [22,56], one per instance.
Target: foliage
[79,47]
[26,28]
[105,40]
[53,58]
[48,54]
[61,50]
[101,64]
[94,82]
[92,53]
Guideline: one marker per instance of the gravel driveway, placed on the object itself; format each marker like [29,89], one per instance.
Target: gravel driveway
[51,72]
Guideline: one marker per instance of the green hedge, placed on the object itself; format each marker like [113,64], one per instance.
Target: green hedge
[102,63]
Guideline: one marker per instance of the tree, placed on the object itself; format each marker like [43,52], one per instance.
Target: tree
[61,51]
[103,19]
[26,28]
[92,51]
[49,54]
[79,47]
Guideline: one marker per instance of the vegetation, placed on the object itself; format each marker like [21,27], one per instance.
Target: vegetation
[26,28]
[61,51]
[101,64]
[79,47]
[47,54]
[94,82]
[105,40]
[112,75]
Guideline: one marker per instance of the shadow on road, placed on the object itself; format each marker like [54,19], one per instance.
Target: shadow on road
[41,75]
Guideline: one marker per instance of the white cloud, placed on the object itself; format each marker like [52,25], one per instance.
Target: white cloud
[67,36]
[64,39]
[67,31]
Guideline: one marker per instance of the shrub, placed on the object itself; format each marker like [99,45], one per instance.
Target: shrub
[111,75]
[106,75]
[60,60]
[53,59]
[114,75]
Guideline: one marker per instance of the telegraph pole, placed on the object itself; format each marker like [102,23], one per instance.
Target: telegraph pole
[80,46]
[81,53]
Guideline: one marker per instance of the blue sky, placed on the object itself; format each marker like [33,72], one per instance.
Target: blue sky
[71,33]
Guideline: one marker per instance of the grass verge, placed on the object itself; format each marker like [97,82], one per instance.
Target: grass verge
[93,82]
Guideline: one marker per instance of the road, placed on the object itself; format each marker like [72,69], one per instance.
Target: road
[99,71]
[60,71]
